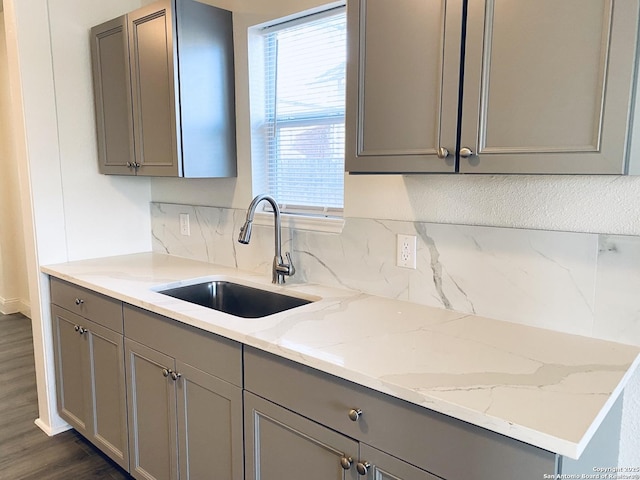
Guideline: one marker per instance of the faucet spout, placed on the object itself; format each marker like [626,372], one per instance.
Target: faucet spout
[280,268]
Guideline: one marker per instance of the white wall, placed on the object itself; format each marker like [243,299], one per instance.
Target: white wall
[70,211]
[14,292]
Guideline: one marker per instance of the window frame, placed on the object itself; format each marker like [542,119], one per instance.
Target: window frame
[296,216]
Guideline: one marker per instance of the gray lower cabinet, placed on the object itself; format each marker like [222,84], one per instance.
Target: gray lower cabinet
[90,378]
[184,422]
[282,444]
[397,440]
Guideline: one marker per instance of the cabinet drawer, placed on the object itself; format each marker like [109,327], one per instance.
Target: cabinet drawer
[206,351]
[424,438]
[100,309]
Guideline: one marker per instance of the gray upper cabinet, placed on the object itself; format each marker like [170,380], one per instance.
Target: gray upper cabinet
[112,93]
[402,85]
[547,86]
[177,99]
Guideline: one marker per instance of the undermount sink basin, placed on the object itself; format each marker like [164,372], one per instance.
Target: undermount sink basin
[235,299]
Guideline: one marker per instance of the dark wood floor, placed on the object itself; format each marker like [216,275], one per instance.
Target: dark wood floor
[25,451]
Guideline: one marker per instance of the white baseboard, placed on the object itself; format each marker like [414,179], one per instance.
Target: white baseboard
[52,430]
[14,305]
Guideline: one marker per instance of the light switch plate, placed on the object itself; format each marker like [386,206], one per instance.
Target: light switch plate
[185,228]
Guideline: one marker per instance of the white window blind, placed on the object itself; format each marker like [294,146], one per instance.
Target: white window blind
[304,112]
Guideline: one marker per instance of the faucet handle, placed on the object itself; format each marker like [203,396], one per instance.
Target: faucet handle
[290,267]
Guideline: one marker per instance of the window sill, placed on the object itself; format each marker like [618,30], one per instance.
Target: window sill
[303,222]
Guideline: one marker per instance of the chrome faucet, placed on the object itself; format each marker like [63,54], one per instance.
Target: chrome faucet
[280,268]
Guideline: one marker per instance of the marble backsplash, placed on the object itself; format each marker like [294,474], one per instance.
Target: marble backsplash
[579,283]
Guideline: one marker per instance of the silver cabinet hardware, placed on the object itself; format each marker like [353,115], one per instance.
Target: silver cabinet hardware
[166,372]
[354,414]
[443,152]
[175,375]
[466,152]
[363,467]
[79,301]
[346,462]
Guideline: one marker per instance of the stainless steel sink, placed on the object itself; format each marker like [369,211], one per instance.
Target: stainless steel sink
[235,299]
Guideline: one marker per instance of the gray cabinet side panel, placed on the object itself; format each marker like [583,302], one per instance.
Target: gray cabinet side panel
[282,445]
[603,449]
[153,448]
[209,426]
[207,90]
[108,393]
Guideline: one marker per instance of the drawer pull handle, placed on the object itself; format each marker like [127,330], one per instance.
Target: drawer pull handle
[354,414]
[363,467]
[79,301]
[346,462]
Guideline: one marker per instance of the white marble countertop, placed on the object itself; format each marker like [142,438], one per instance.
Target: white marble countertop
[545,388]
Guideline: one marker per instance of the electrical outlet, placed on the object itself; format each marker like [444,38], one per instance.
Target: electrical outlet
[406,251]
[185,228]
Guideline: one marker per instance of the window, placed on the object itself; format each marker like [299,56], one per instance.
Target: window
[297,110]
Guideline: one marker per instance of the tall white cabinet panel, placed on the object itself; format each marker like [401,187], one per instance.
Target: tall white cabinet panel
[402,85]
[547,86]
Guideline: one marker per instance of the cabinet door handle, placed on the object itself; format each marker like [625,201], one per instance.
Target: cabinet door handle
[363,468]
[354,414]
[76,328]
[346,462]
[82,330]
[79,301]
[443,152]
[166,372]
[175,375]
[466,152]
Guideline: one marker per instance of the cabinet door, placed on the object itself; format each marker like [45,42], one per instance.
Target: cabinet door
[209,426]
[385,467]
[547,85]
[153,448]
[280,444]
[107,392]
[153,56]
[72,376]
[403,75]
[112,93]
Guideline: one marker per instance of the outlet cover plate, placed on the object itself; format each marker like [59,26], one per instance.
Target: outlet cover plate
[406,251]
